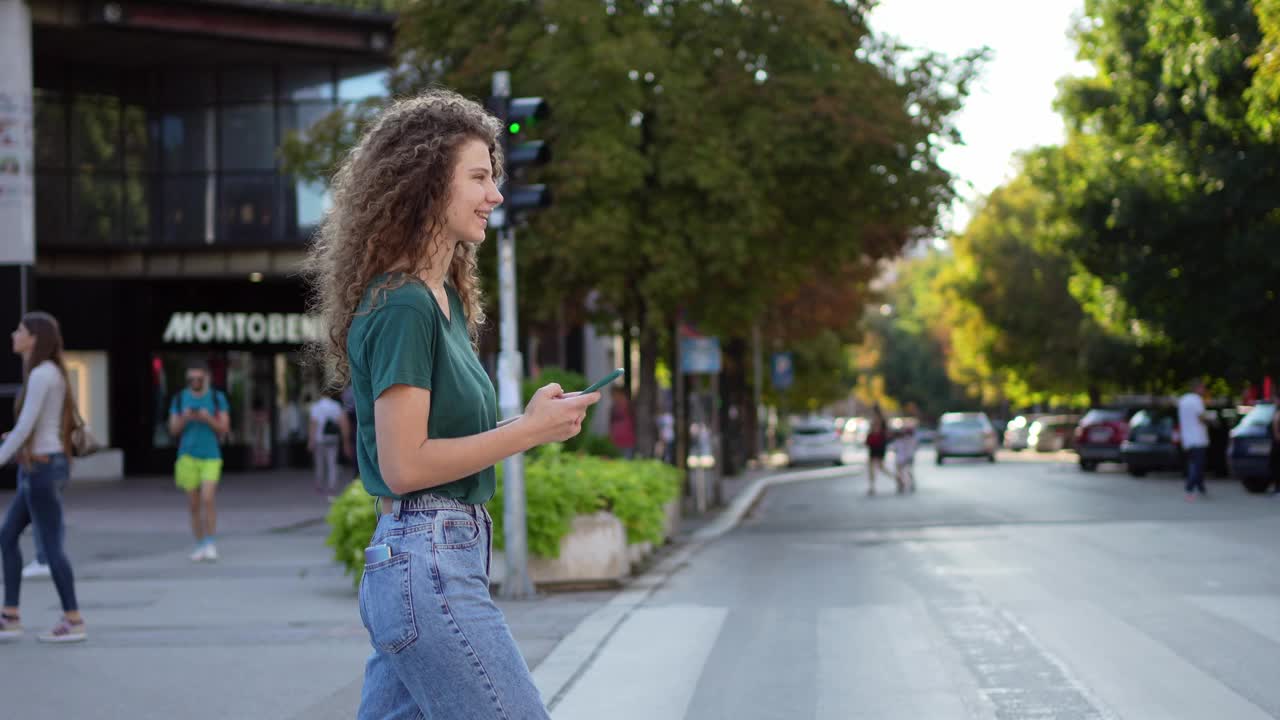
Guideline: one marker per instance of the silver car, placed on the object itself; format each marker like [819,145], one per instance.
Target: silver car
[816,440]
[966,434]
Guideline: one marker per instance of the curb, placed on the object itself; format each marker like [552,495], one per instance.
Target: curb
[575,653]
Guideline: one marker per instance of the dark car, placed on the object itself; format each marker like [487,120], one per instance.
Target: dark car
[1154,441]
[1099,435]
[1250,452]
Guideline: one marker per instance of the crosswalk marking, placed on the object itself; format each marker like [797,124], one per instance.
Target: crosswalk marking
[885,662]
[649,670]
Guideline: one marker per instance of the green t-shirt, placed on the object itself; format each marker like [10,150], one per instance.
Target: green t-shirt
[405,339]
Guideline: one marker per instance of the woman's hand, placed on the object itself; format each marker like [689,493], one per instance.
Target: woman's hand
[553,416]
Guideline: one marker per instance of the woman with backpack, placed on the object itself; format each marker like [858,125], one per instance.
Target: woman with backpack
[41,443]
[328,426]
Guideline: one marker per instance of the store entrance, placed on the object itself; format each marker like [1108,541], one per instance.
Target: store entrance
[269,395]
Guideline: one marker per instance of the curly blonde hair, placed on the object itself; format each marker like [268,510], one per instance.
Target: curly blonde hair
[389,199]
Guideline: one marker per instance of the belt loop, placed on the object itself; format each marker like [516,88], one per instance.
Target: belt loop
[395,508]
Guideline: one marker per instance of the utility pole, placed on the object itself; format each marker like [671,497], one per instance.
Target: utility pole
[514,115]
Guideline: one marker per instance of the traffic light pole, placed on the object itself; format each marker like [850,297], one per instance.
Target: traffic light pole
[516,584]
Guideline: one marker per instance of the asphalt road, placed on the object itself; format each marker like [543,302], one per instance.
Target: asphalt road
[1021,589]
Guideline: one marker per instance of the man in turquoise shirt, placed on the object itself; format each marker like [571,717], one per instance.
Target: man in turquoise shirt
[198,416]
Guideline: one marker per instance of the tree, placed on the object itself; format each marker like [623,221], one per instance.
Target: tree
[1169,182]
[710,158]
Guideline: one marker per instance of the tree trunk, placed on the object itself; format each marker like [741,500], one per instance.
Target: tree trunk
[646,405]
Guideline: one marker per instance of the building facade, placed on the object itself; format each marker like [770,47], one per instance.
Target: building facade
[163,227]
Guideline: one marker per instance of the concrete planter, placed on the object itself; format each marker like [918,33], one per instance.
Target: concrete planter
[594,551]
[672,510]
[103,466]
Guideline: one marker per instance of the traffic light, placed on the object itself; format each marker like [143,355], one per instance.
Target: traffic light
[518,116]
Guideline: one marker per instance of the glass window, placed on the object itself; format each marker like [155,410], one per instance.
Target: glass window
[301,116]
[247,209]
[187,140]
[307,83]
[96,202]
[139,151]
[53,208]
[364,81]
[248,137]
[248,84]
[95,132]
[311,201]
[187,87]
[50,131]
[138,208]
[188,209]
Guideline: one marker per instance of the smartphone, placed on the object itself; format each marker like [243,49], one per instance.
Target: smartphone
[603,381]
[376,554]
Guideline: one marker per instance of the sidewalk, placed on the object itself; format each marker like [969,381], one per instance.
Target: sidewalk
[270,631]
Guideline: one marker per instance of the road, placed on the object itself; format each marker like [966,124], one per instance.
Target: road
[1023,589]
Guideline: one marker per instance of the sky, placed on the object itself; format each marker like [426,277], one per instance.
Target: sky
[1011,106]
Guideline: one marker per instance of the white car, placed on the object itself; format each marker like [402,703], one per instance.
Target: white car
[815,440]
[966,434]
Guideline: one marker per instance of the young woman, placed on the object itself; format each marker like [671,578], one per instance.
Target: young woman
[394,276]
[41,443]
[877,444]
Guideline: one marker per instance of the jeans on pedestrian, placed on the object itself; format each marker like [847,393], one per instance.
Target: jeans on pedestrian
[1196,459]
[325,457]
[35,534]
[441,647]
[38,502]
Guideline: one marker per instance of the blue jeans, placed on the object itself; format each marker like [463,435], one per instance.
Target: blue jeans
[60,487]
[441,647]
[39,500]
[1197,457]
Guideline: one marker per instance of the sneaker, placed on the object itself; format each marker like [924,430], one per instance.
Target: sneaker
[64,632]
[10,627]
[35,569]
[200,553]
[210,552]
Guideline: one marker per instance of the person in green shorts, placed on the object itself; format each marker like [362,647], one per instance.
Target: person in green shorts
[198,416]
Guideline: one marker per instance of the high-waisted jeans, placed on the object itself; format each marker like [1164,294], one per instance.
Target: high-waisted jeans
[39,500]
[441,647]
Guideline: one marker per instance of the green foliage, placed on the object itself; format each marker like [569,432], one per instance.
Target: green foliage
[560,485]
[351,520]
[1169,178]
[597,445]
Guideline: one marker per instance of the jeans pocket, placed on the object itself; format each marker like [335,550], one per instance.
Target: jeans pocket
[386,603]
[455,530]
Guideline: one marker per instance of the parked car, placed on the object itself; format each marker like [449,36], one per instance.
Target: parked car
[966,434]
[1052,433]
[926,435]
[1099,435]
[1155,442]
[815,439]
[1250,448]
[1015,433]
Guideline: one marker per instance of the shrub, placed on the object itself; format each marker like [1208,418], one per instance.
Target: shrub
[352,521]
[559,485]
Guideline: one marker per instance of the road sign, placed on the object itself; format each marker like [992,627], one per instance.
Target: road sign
[783,372]
[700,355]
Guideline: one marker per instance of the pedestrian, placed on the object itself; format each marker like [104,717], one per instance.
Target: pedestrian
[904,458]
[327,428]
[1194,432]
[199,417]
[394,274]
[622,424]
[41,443]
[877,444]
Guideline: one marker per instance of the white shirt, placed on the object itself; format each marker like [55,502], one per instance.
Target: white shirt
[1194,432]
[323,410]
[41,416]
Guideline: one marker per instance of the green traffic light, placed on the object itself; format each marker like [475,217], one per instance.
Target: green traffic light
[514,128]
